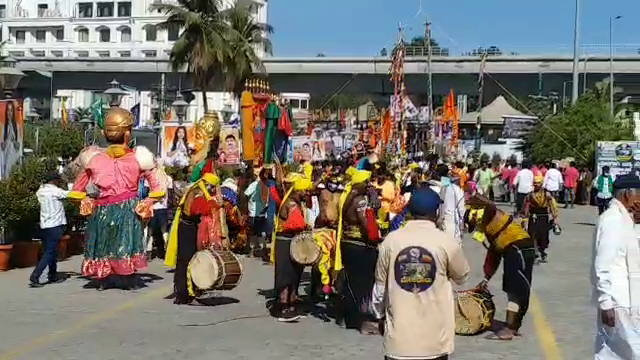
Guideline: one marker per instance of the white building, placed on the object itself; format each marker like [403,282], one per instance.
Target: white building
[91,29]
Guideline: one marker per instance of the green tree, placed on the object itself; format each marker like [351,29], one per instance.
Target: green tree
[244,37]
[203,45]
[82,113]
[574,132]
[54,140]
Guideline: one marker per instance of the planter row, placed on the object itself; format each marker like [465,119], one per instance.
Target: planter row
[28,253]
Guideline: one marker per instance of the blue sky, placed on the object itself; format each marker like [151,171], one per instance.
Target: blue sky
[363,27]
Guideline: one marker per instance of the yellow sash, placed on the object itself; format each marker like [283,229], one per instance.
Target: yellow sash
[343,198]
[171,256]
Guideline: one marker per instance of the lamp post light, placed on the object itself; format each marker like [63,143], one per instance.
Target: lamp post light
[180,107]
[115,93]
[611,63]
[9,77]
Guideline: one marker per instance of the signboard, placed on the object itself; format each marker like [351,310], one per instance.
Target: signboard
[229,150]
[11,135]
[621,156]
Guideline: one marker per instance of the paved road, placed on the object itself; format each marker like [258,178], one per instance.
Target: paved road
[67,321]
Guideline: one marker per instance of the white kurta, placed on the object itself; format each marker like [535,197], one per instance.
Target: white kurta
[452,210]
[616,283]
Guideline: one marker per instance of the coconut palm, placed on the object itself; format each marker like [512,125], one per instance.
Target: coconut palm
[245,37]
[203,45]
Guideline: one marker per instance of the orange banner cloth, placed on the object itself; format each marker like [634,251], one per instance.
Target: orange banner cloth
[248,125]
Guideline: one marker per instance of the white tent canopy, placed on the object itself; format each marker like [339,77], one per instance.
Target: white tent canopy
[495,113]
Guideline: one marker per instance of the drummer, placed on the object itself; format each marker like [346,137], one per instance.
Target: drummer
[356,250]
[183,240]
[289,222]
[505,239]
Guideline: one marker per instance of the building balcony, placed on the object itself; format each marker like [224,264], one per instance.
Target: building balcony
[89,50]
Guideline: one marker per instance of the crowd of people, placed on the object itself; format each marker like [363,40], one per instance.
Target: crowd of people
[383,239]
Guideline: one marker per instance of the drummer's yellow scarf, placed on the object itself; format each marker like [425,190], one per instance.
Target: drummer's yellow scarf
[357,177]
[171,254]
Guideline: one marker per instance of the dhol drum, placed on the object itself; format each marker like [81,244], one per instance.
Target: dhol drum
[474,311]
[215,270]
[304,250]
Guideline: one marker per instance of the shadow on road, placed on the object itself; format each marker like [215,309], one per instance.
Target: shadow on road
[131,282]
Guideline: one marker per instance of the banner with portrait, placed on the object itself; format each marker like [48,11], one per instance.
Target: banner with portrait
[11,135]
[229,150]
[178,144]
[301,146]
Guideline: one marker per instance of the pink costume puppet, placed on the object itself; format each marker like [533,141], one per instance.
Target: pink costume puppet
[115,243]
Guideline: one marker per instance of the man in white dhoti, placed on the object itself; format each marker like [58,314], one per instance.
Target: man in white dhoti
[616,274]
[452,209]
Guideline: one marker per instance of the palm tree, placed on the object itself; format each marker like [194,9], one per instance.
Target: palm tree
[245,37]
[203,45]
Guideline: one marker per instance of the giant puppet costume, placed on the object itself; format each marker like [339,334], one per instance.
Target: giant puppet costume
[115,244]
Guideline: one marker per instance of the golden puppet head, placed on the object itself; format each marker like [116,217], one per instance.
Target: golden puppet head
[207,132]
[117,125]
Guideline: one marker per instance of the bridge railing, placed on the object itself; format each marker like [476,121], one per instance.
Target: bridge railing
[528,49]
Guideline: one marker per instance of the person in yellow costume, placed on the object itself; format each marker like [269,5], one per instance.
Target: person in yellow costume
[356,255]
[289,222]
[505,240]
[183,239]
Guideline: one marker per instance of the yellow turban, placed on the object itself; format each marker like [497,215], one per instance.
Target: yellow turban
[414,166]
[538,179]
[211,179]
[292,177]
[350,171]
[360,176]
[302,184]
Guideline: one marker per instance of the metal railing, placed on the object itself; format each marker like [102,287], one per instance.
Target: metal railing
[527,49]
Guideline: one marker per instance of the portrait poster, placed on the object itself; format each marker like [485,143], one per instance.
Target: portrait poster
[11,135]
[178,144]
[302,146]
[229,150]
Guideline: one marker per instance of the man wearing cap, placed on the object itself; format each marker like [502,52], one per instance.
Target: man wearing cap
[52,223]
[615,274]
[415,267]
[356,255]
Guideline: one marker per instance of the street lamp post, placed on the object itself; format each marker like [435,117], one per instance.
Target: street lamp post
[584,75]
[115,93]
[180,107]
[576,54]
[611,63]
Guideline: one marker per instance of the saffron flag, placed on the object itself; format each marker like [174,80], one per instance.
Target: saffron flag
[65,112]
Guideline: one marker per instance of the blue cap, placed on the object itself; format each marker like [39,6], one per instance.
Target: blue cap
[424,202]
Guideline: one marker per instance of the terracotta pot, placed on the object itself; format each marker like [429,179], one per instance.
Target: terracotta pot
[5,255]
[63,247]
[25,253]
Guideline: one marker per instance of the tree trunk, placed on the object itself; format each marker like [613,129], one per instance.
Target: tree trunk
[205,104]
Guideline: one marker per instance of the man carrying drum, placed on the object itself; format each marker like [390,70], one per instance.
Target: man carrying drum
[357,251]
[505,240]
[289,223]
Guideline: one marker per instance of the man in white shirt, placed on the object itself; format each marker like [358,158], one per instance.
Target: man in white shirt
[53,223]
[553,180]
[523,184]
[616,274]
[452,208]
[413,292]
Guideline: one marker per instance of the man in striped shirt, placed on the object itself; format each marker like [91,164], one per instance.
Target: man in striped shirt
[52,222]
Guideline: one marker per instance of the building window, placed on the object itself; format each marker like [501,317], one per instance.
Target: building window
[42,10]
[59,34]
[20,36]
[39,53]
[16,54]
[41,36]
[56,53]
[150,53]
[3,11]
[82,54]
[124,9]
[103,54]
[125,35]
[105,34]
[173,32]
[254,9]
[105,9]
[125,54]
[83,35]
[85,10]
[304,104]
[151,33]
